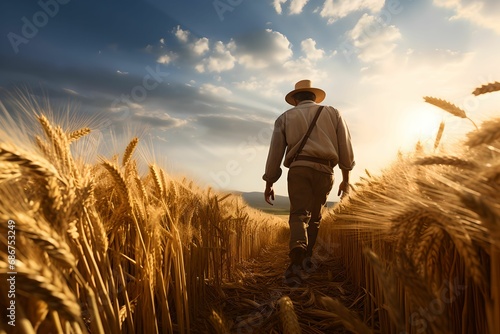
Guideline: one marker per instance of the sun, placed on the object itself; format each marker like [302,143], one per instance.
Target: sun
[420,122]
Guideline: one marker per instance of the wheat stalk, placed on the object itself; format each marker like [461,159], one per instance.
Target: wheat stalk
[39,281]
[449,107]
[217,323]
[488,88]
[157,180]
[439,135]
[43,236]
[120,182]
[22,159]
[489,132]
[443,160]
[129,151]
[75,135]
[446,106]
[348,319]
[288,317]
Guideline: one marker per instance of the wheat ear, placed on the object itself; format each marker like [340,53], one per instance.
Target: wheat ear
[488,88]
[439,135]
[217,323]
[41,282]
[157,180]
[120,183]
[489,132]
[129,151]
[45,237]
[75,135]
[287,316]
[350,320]
[449,107]
[446,160]
[34,165]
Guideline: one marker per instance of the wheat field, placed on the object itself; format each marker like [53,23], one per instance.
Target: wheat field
[117,245]
[423,238]
[101,248]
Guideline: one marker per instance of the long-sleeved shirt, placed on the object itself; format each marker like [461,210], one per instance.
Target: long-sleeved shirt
[329,140]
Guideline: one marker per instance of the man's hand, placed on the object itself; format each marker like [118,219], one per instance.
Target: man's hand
[343,189]
[269,193]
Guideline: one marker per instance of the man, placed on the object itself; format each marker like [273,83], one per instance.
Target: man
[310,175]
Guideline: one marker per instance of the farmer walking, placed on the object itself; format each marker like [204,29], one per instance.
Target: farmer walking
[313,139]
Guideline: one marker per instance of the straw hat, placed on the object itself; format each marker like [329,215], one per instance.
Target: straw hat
[305,86]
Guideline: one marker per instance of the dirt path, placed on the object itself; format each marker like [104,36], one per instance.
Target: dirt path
[250,305]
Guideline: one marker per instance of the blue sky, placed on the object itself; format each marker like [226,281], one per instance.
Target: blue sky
[202,82]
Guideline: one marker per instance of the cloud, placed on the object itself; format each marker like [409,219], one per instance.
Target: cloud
[277,5]
[166,58]
[484,13]
[296,6]
[158,119]
[220,60]
[200,46]
[309,48]
[261,49]
[215,90]
[182,35]
[337,9]
[373,39]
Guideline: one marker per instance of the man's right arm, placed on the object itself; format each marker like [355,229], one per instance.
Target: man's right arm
[276,152]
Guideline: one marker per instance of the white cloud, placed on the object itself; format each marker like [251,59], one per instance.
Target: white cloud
[296,6]
[200,46]
[373,39]
[166,58]
[337,9]
[182,35]
[261,49]
[309,48]
[158,119]
[484,13]
[277,5]
[214,90]
[220,60]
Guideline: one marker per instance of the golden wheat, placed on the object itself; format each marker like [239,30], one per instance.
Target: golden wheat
[288,317]
[446,106]
[488,88]
[350,321]
[489,132]
[75,135]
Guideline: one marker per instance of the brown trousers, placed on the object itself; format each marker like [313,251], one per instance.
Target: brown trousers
[308,191]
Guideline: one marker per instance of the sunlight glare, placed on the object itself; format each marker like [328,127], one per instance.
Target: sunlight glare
[420,122]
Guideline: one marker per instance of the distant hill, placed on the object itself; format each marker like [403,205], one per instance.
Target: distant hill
[281,205]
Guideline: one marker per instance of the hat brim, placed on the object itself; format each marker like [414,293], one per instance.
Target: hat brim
[320,95]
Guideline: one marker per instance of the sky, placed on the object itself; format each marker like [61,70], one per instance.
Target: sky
[202,82]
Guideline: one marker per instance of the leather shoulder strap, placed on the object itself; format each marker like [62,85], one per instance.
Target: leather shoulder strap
[308,133]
